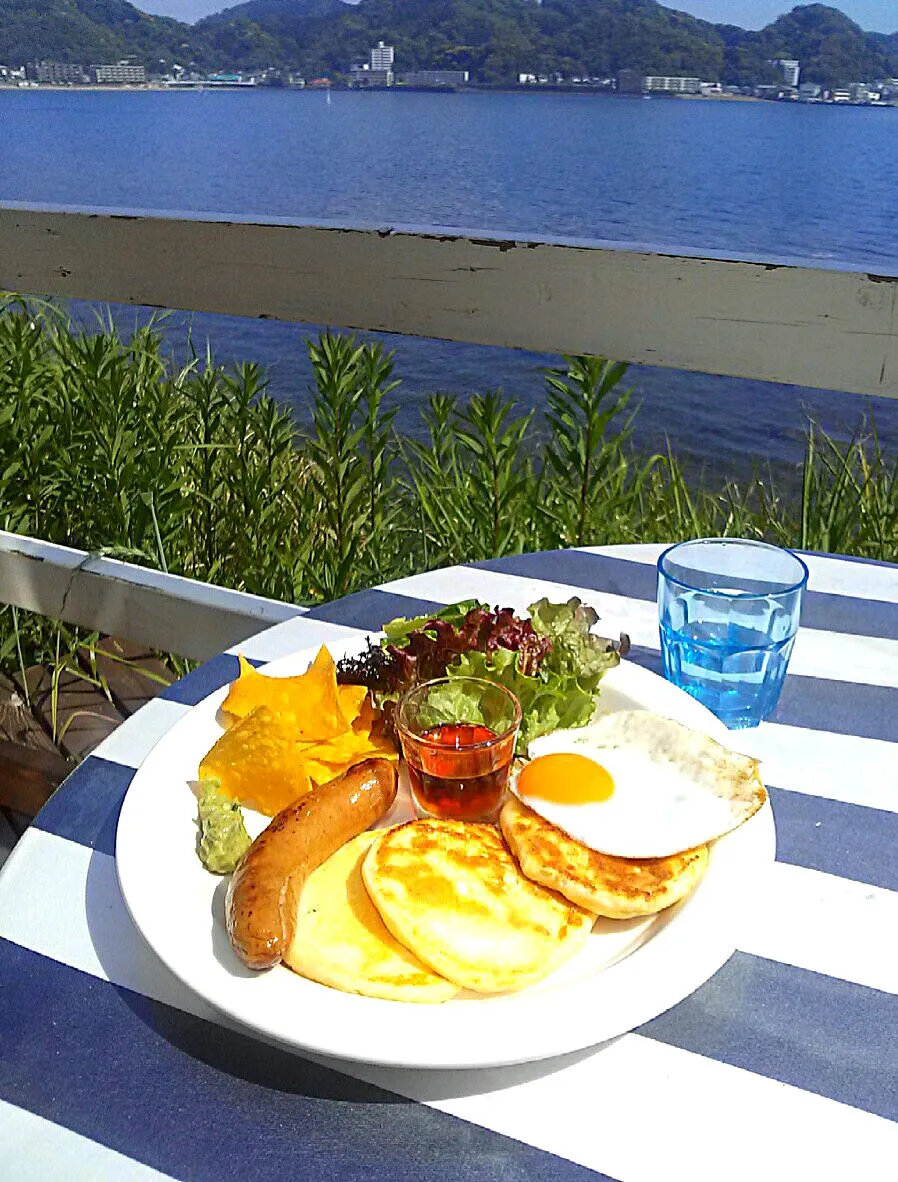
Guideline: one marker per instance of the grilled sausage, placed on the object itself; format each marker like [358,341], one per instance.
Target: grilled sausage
[264,889]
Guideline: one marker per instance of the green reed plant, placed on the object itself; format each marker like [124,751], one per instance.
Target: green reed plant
[380,452]
[336,476]
[350,454]
[583,462]
[594,480]
[247,483]
[26,436]
[436,487]
[473,485]
[202,449]
[108,445]
[672,507]
[499,476]
[849,496]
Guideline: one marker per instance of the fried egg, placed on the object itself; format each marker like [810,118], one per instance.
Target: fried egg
[638,785]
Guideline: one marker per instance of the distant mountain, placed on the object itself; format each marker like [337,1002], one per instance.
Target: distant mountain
[887,43]
[89,31]
[262,33]
[832,49]
[493,39]
[283,12]
[497,39]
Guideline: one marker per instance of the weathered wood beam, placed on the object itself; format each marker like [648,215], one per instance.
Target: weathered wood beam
[165,612]
[780,323]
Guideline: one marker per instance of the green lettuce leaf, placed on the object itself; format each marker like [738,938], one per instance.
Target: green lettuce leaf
[560,689]
[576,652]
[548,702]
[397,630]
[451,703]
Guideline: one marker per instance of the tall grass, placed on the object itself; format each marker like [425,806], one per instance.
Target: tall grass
[107,445]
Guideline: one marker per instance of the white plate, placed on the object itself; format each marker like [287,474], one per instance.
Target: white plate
[628,972]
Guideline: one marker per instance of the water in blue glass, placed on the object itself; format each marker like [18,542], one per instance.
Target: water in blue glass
[733,668]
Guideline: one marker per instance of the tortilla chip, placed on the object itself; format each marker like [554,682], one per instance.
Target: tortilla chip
[289,733]
[352,700]
[367,717]
[257,764]
[307,707]
[363,740]
[326,761]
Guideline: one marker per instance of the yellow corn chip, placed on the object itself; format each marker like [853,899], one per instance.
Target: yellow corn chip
[291,733]
[352,699]
[307,707]
[257,764]
[327,761]
[366,717]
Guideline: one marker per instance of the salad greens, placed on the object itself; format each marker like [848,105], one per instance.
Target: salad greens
[575,650]
[565,689]
[548,702]
[552,661]
[399,629]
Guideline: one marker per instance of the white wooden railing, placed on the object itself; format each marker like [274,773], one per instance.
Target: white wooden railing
[163,611]
[835,329]
[774,321]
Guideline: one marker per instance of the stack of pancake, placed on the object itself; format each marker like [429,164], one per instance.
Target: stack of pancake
[422,911]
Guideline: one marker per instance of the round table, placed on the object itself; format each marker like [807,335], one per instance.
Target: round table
[783,1066]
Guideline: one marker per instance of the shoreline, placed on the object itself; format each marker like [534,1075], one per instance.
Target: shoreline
[595,92]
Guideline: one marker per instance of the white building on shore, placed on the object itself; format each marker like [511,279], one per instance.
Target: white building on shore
[382,57]
[120,72]
[59,73]
[791,71]
[658,84]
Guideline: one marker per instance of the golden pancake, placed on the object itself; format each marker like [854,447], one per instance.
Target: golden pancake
[452,893]
[341,940]
[617,888]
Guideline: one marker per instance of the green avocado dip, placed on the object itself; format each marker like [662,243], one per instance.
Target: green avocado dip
[223,837]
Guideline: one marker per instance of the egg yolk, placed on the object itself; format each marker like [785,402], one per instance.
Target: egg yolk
[566,778]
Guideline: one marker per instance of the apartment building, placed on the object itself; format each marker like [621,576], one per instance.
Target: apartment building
[791,71]
[435,78]
[658,84]
[121,72]
[382,57]
[58,73]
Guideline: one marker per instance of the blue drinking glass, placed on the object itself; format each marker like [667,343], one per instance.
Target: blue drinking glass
[728,610]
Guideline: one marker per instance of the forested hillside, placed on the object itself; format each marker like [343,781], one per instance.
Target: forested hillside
[90,31]
[494,40]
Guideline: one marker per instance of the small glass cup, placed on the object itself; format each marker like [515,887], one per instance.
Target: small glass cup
[458,737]
[728,611]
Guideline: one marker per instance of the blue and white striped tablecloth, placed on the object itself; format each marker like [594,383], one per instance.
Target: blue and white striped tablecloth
[783,1066]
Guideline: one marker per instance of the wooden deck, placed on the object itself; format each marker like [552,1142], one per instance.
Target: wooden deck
[46,730]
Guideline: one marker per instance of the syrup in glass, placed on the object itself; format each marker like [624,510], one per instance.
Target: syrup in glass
[459,771]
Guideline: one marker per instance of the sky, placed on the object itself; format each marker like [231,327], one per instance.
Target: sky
[880,16]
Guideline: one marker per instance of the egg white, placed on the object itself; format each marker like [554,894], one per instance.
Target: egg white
[674,789]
